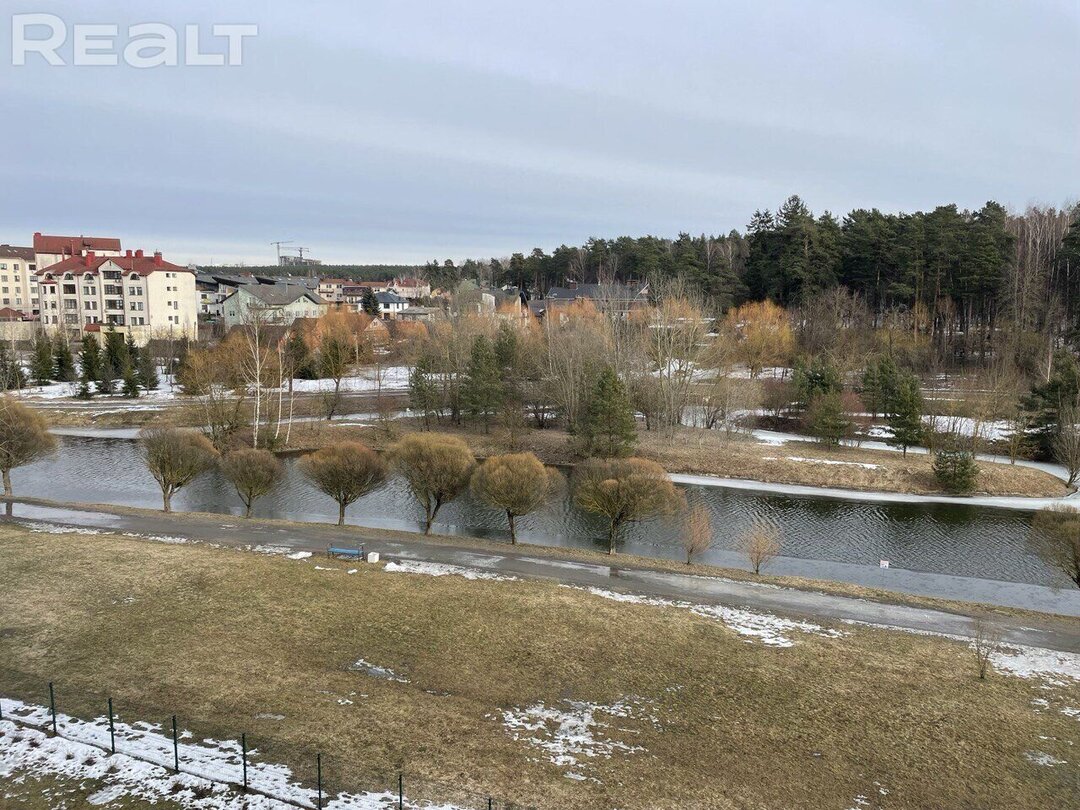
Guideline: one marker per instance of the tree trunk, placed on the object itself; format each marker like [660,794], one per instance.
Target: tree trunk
[431,516]
[247,507]
[7,484]
[513,533]
[340,513]
[612,530]
[166,500]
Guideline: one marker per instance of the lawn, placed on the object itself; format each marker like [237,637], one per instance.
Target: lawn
[677,710]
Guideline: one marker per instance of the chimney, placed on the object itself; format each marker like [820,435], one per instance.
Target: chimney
[89,258]
[129,253]
[37,233]
[157,258]
[138,253]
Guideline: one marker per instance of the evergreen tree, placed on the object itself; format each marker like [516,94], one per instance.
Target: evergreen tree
[147,371]
[90,358]
[115,351]
[42,365]
[955,470]
[106,382]
[827,420]
[12,377]
[369,303]
[608,428]
[63,361]
[131,352]
[1046,401]
[880,385]
[131,383]
[85,390]
[906,417]
[423,392]
[818,379]
[298,357]
[483,382]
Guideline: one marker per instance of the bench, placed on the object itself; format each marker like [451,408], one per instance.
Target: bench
[356,552]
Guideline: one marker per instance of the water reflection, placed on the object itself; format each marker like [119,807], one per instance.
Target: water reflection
[942,538]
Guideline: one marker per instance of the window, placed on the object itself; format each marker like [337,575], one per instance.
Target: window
[134,290]
[5,290]
[71,319]
[111,275]
[69,289]
[7,301]
[3,278]
[111,303]
[69,304]
[114,289]
[90,305]
[136,306]
[88,291]
[91,319]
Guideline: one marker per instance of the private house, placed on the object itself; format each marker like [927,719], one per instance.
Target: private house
[135,294]
[411,288]
[273,303]
[615,297]
[390,304]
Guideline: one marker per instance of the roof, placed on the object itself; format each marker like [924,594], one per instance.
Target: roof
[12,252]
[389,298]
[617,292]
[336,281]
[73,245]
[410,282]
[135,262]
[281,295]
[9,314]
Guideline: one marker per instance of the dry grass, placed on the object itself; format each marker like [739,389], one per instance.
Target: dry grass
[709,452]
[222,635]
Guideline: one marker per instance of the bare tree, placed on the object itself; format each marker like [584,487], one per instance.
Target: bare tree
[215,380]
[761,544]
[517,483]
[1067,442]
[697,533]
[437,468]
[1055,534]
[984,643]
[345,471]
[175,457]
[24,438]
[253,472]
[674,342]
[625,490]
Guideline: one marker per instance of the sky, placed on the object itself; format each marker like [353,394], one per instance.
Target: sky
[396,131]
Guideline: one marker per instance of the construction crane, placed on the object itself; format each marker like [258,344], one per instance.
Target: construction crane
[278,246]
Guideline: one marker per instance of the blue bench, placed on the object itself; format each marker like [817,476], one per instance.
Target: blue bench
[357,552]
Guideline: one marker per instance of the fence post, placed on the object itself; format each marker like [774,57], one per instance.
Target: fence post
[318,779]
[400,792]
[52,707]
[175,746]
[112,729]
[243,751]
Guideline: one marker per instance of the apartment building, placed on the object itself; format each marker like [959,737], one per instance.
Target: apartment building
[18,287]
[141,295]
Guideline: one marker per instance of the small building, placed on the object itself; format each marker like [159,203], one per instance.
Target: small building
[420,314]
[275,303]
[615,297]
[411,288]
[390,304]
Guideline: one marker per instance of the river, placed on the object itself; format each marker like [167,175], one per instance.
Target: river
[955,539]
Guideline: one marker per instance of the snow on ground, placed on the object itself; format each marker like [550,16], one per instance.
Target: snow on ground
[574,732]
[825,461]
[442,570]
[767,628]
[141,768]
[393,378]
[1042,758]
[376,671]
[1054,667]
[54,528]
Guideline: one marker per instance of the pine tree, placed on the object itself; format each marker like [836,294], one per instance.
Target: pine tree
[369,303]
[483,382]
[12,377]
[608,428]
[827,420]
[115,351]
[90,358]
[106,382]
[131,351]
[85,390]
[41,360]
[906,417]
[879,385]
[818,379]
[148,371]
[298,357]
[63,361]
[131,383]
[955,470]
[423,393]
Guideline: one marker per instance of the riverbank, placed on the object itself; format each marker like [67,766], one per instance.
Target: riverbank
[695,451]
[611,702]
[885,589]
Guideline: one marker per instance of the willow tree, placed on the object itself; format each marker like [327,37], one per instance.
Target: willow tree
[436,466]
[175,457]
[624,491]
[517,483]
[24,438]
[346,472]
[253,472]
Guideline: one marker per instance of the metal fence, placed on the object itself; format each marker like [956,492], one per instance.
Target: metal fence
[240,780]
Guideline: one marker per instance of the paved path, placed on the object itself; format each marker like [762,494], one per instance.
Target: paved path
[1048,632]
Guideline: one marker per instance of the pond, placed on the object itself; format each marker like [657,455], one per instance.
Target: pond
[971,541]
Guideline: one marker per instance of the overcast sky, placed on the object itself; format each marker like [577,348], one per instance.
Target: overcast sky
[397,131]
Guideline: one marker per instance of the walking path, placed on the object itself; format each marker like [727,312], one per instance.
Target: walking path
[521,561]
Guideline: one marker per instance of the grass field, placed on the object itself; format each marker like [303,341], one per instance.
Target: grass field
[684,712]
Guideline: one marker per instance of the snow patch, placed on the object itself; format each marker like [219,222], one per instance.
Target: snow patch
[834,463]
[771,630]
[432,569]
[375,671]
[141,768]
[1042,758]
